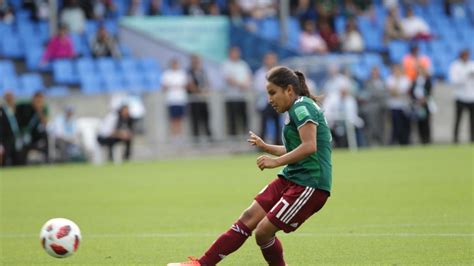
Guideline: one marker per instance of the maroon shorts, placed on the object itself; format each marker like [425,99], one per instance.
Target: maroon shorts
[288,204]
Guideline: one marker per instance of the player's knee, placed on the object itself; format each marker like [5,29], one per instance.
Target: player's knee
[262,234]
[248,218]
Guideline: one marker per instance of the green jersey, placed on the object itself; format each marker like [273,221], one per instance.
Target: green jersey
[314,170]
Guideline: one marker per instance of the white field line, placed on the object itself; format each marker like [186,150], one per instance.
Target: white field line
[190,235]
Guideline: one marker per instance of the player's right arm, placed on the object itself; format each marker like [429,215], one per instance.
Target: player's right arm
[277,150]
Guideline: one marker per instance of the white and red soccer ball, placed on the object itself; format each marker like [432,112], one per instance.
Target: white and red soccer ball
[60,237]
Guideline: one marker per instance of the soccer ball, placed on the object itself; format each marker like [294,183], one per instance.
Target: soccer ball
[60,237]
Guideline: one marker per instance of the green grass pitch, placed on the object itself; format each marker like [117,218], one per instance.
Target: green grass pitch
[389,206]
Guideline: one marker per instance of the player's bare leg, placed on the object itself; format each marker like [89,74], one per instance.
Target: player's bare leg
[271,247]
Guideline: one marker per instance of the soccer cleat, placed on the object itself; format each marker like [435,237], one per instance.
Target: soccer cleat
[192,261]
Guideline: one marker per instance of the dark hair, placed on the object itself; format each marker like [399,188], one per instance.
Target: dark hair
[284,76]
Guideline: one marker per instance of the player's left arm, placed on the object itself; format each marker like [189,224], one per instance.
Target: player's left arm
[307,147]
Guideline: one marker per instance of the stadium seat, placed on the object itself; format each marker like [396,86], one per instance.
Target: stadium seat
[105,65]
[128,65]
[33,59]
[149,64]
[63,72]
[397,49]
[91,84]
[57,91]
[152,80]
[134,82]
[12,47]
[372,59]
[270,29]
[9,83]
[113,82]
[7,68]
[31,82]
[86,66]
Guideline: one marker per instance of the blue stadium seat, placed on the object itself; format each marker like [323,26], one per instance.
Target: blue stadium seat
[12,47]
[128,65]
[33,59]
[106,65]
[270,29]
[134,82]
[397,49]
[7,68]
[372,59]
[86,66]
[113,82]
[149,64]
[57,91]
[42,29]
[63,72]
[361,71]
[91,84]
[31,82]
[9,83]
[294,32]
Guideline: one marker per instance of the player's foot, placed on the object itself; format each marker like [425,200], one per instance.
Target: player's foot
[192,261]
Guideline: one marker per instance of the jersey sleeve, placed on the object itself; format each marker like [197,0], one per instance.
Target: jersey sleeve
[302,113]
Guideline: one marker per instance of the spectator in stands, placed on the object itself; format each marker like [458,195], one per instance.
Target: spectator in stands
[173,83]
[327,10]
[329,36]
[117,127]
[351,39]
[351,8]
[238,78]
[213,9]
[420,93]
[11,142]
[7,13]
[461,74]
[258,9]
[60,46]
[39,9]
[393,27]
[198,91]
[310,40]
[415,27]
[103,45]
[136,8]
[73,16]
[373,108]
[193,8]
[155,8]
[66,136]
[413,60]
[32,121]
[398,102]
[104,9]
[303,9]
[267,113]
[235,14]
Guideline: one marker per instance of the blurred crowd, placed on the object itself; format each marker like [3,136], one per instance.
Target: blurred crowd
[379,111]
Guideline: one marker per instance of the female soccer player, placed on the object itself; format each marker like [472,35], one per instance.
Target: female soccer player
[301,188]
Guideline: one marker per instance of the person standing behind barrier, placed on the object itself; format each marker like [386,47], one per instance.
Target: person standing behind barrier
[174,83]
[238,76]
[11,142]
[398,86]
[267,113]
[461,74]
[198,90]
[32,120]
[373,107]
[420,93]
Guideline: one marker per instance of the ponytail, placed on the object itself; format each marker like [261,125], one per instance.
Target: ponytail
[304,90]
[284,76]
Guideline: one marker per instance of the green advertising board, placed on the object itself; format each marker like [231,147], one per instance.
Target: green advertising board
[207,36]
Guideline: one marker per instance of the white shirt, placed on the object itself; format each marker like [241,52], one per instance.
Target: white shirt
[108,124]
[461,74]
[413,25]
[259,85]
[338,108]
[352,42]
[174,83]
[311,43]
[402,85]
[240,72]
